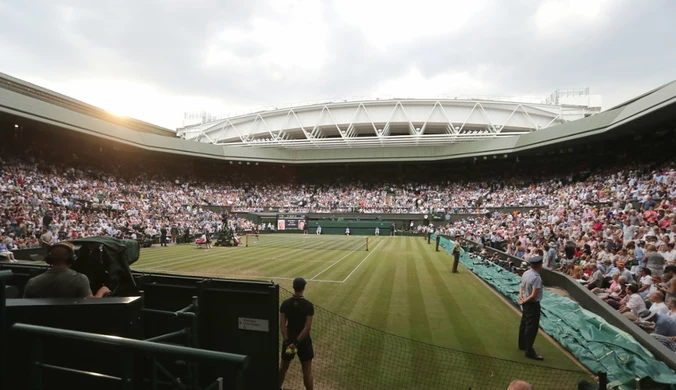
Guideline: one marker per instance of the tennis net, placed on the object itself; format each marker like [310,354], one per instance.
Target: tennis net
[308,241]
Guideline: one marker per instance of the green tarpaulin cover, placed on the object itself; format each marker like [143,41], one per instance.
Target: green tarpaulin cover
[598,345]
[127,251]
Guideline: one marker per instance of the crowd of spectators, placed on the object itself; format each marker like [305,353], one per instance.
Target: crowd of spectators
[615,232]
[42,197]
[44,203]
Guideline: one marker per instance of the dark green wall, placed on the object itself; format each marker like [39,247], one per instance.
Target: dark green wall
[361,228]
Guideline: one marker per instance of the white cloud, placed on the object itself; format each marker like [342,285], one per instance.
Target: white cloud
[389,22]
[563,15]
[257,53]
[292,35]
[415,85]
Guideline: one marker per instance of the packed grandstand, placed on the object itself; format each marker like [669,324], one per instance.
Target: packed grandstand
[58,192]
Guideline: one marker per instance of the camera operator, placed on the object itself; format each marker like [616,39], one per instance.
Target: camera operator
[60,281]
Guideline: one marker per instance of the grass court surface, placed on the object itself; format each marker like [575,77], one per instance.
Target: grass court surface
[400,286]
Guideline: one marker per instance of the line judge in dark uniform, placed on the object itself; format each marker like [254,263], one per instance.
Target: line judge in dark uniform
[530,295]
[456,253]
[295,322]
[163,236]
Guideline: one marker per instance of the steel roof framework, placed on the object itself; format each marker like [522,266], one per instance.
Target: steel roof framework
[367,129]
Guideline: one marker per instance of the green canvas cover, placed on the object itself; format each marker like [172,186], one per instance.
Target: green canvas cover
[598,345]
[125,251]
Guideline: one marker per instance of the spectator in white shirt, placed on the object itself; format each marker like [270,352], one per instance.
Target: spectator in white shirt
[658,306]
[628,231]
[669,254]
[634,305]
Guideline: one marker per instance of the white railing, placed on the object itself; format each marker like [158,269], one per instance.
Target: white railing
[367,142]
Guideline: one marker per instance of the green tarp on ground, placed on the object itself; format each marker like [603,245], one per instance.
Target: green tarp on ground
[598,345]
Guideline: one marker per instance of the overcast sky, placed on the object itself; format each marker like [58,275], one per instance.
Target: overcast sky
[156,59]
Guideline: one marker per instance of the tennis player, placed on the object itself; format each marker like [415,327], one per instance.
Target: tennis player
[295,321]
[207,243]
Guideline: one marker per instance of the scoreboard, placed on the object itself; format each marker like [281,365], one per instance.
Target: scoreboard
[291,222]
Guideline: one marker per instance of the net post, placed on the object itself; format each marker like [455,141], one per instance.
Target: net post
[246,240]
[367,244]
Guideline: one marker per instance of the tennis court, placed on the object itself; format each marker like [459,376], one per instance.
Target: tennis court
[321,259]
[400,286]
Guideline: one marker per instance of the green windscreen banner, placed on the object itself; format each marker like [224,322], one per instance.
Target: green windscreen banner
[598,345]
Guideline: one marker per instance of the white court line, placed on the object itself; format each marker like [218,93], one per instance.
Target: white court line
[329,267]
[305,261]
[359,265]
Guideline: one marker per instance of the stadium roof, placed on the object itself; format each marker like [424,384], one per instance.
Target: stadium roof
[42,94]
[389,122]
[46,107]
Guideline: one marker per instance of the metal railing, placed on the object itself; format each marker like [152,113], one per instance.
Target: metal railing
[130,348]
[513,260]
[188,333]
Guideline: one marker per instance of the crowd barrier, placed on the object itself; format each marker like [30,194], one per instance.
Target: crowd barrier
[33,254]
[591,302]
[399,218]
